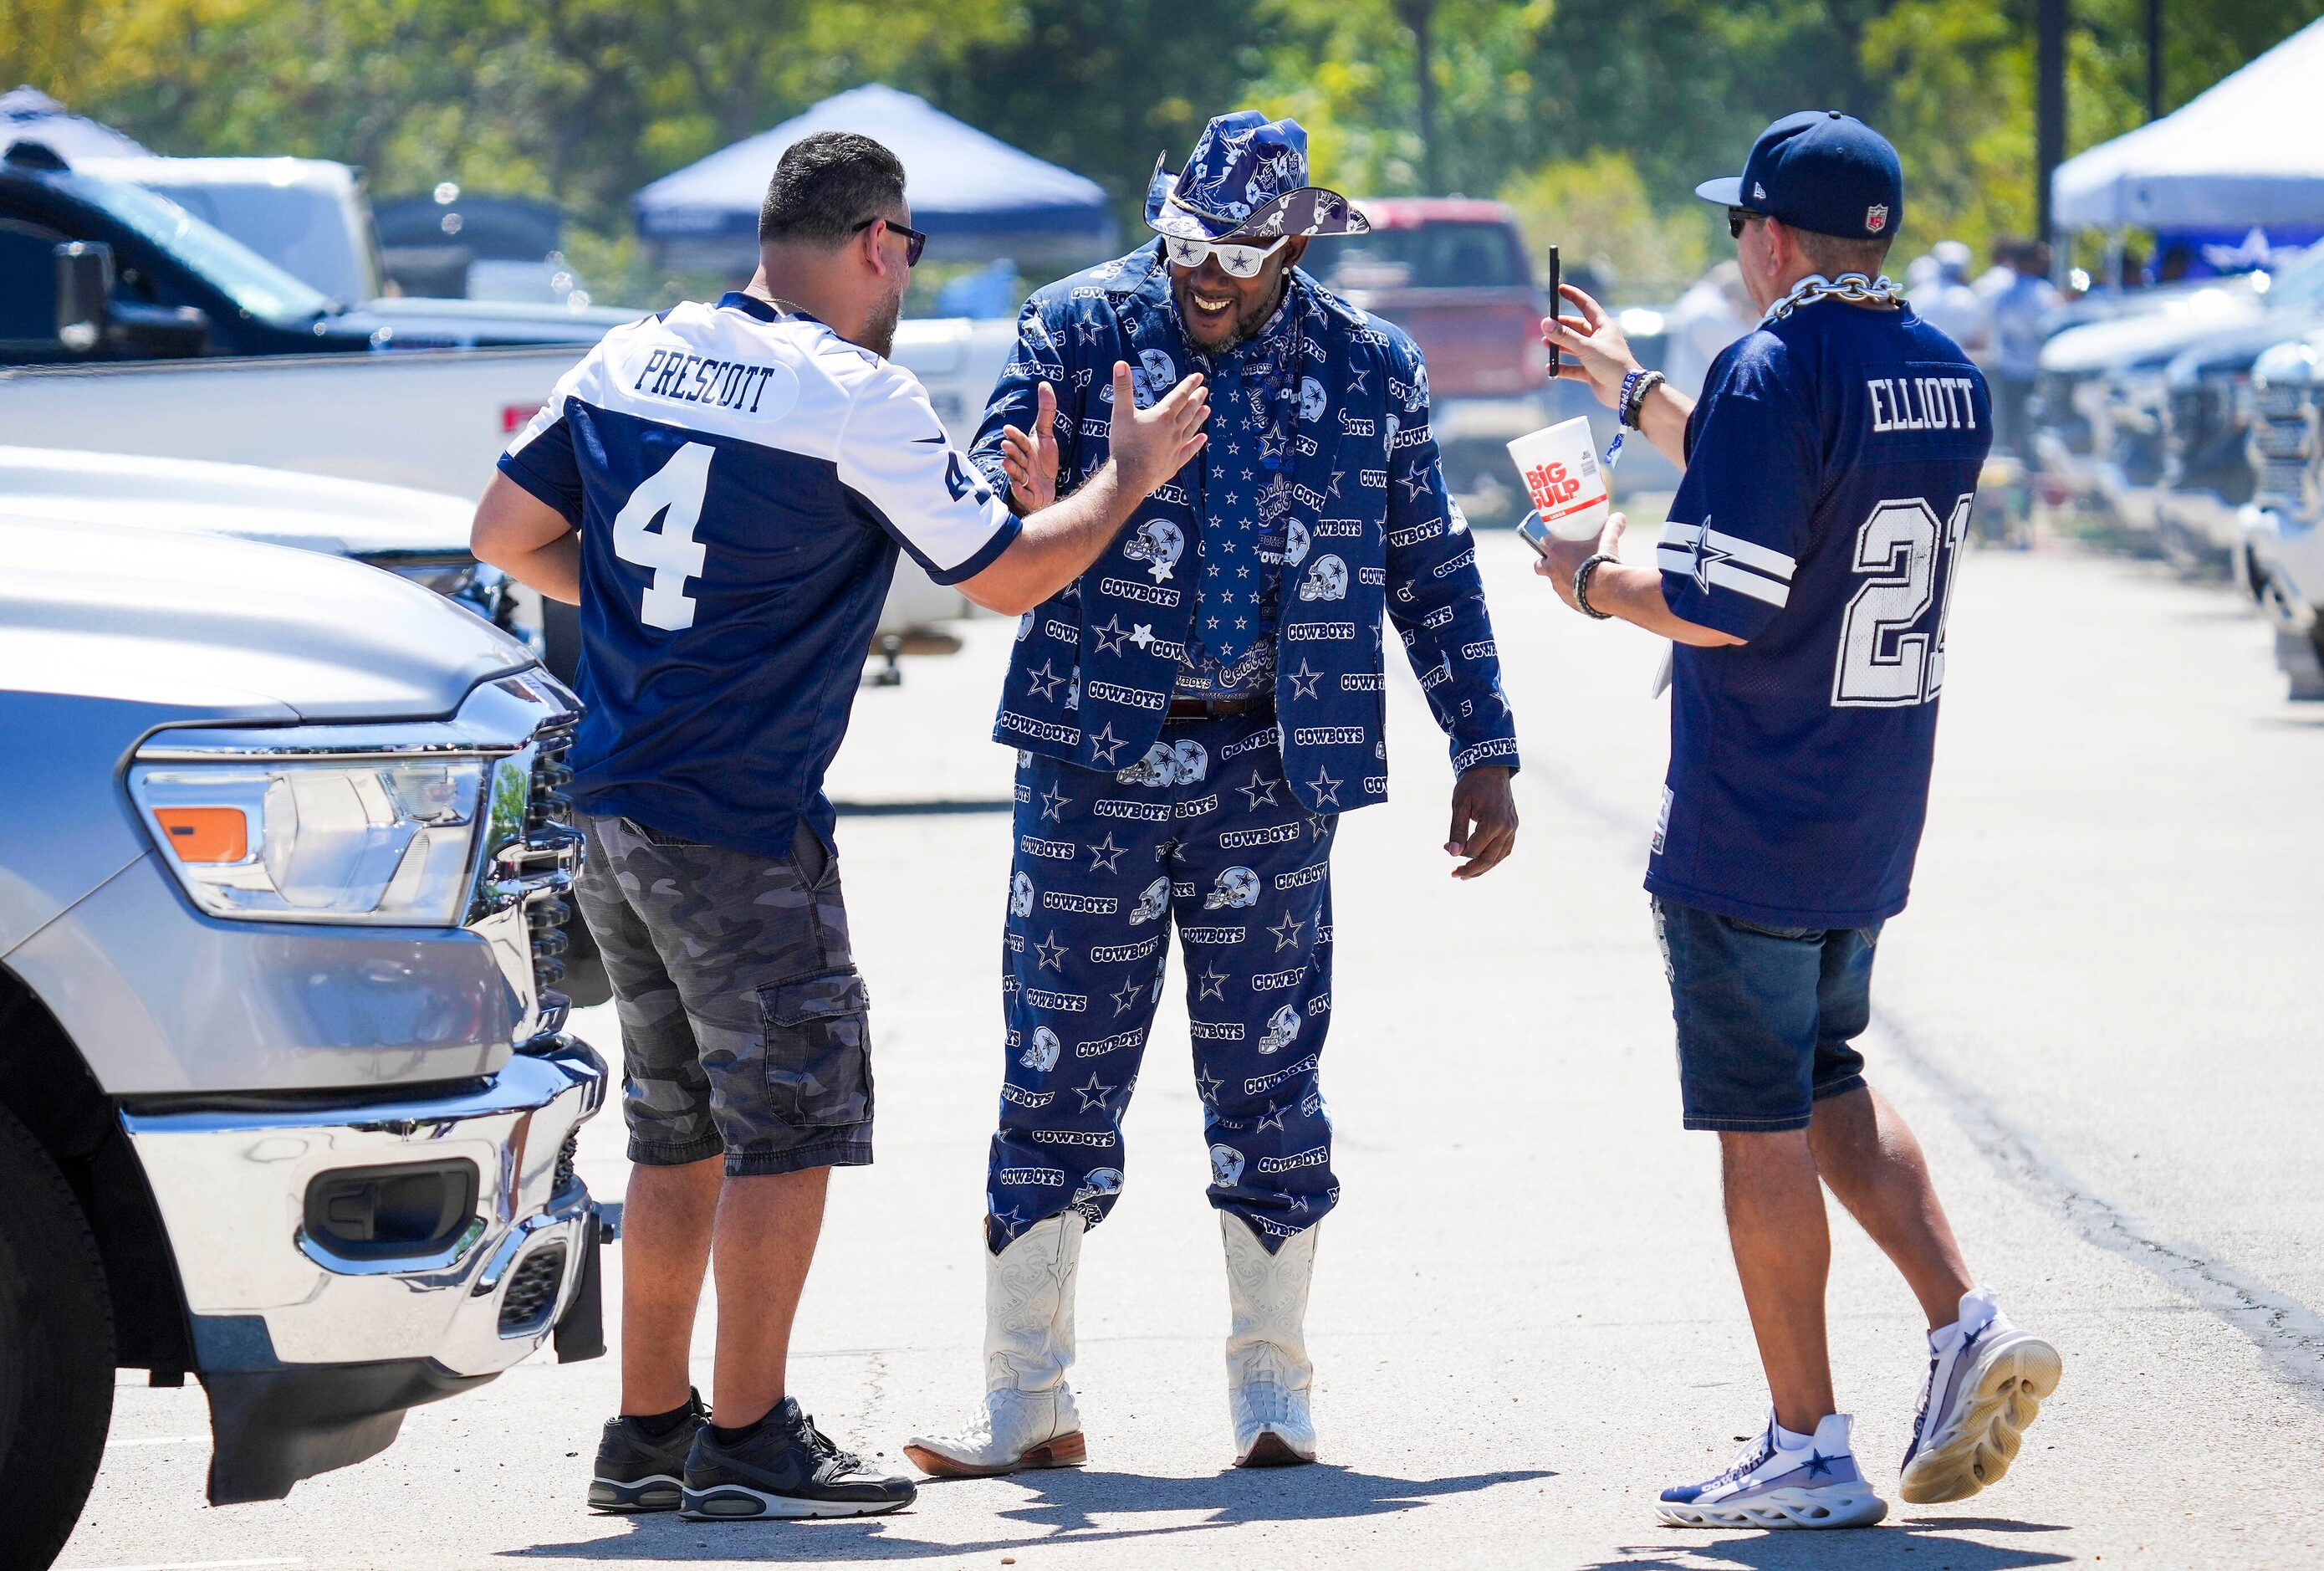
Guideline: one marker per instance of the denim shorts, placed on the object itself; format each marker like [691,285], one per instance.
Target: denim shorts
[1766,1016]
[743,1028]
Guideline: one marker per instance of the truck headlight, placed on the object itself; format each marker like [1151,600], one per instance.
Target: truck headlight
[390,840]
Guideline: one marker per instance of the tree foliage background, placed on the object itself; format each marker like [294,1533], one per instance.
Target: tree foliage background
[1595,117]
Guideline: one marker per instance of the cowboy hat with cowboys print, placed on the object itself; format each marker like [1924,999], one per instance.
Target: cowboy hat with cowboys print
[1247,181]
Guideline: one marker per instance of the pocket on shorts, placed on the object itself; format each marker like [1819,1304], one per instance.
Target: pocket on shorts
[1766,931]
[818,1050]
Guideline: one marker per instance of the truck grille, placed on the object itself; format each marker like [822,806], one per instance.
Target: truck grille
[2283,445]
[550,844]
[531,1295]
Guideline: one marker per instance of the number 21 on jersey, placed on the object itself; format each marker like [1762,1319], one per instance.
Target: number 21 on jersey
[1887,659]
[675,492]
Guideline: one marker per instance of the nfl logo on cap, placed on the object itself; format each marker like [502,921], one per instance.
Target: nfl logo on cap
[1875,219]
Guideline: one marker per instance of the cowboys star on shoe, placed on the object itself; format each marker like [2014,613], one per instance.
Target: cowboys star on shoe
[1247,185]
[1771,1485]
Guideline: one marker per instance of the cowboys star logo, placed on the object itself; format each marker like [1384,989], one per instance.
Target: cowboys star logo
[1706,557]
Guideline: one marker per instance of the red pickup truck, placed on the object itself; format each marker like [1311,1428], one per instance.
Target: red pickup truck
[1451,271]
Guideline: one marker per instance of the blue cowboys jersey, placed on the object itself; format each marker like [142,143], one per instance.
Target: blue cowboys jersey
[1831,469]
[742,480]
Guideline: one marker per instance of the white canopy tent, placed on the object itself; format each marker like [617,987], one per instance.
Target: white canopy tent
[2248,151]
[29,114]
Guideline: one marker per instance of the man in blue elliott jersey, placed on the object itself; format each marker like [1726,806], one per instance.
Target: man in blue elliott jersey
[1192,715]
[1804,579]
[723,490]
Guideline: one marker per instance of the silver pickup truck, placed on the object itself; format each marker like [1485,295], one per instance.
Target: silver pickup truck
[286,1099]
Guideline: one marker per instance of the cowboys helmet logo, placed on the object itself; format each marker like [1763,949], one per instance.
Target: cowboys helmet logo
[1154,374]
[1042,1055]
[1020,896]
[1419,389]
[1156,900]
[1192,763]
[1159,767]
[1282,1030]
[1455,520]
[1158,542]
[1102,1184]
[1326,579]
[1295,543]
[1024,626]
[1226,1166]
[1311,400]
[1074,692]
[1390,426]
[1876,217]
[1236,888]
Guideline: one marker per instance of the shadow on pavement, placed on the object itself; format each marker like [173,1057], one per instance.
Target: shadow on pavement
[1060,1506]
[1924,1544]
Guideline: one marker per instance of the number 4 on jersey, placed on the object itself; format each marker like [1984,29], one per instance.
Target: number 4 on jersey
[1883,663]
[675,492]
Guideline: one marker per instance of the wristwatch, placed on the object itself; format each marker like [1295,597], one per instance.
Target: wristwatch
[1582,576]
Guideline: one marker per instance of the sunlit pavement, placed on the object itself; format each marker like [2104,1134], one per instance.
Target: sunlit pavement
[2101,1013]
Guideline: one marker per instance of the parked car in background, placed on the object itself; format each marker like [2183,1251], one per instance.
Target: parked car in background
[453,243]
[1452,272]
[2113,390]
[287,1101]
[93,269]
[307,216]
[2280,556]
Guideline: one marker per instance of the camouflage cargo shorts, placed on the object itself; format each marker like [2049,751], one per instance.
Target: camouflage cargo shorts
[743,1026]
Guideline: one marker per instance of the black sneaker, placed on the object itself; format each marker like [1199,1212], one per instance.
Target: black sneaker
[785,1467]
[637,1472]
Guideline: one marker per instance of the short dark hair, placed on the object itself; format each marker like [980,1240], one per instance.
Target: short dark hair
[827,184]
[1833,255]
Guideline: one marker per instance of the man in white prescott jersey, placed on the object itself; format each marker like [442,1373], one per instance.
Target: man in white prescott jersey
[723,490]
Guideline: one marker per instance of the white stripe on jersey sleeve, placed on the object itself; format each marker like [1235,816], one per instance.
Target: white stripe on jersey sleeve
[1725,575]
[894,452]
[1748,552]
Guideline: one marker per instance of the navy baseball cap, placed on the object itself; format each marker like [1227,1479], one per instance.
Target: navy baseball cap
[1819,170]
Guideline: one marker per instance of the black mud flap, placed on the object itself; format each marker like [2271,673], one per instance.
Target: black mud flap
[581,1333]
[271,1427]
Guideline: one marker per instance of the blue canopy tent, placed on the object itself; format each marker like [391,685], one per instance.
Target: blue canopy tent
[978,198]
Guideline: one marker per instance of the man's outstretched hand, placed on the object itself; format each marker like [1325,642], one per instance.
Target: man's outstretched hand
[1148,446]
[1030,461]
[1484,820]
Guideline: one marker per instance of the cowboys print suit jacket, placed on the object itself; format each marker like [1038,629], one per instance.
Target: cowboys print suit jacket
[1371,529]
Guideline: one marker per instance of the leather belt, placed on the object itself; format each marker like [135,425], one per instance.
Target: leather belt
[1219,708]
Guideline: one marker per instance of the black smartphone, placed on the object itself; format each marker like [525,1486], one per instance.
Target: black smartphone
[1556,306]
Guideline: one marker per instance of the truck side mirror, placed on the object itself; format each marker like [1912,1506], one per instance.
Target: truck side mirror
[84,288]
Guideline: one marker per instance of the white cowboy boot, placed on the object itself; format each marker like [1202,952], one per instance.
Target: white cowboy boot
[1029,1419]
[1267,1369]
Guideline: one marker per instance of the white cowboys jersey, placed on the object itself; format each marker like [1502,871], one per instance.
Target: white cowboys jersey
[742,480]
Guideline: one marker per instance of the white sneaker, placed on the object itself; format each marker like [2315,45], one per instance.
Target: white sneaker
[1987,1381]
[1770,1486]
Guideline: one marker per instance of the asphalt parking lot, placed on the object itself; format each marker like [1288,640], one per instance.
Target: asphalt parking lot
[2101,1015]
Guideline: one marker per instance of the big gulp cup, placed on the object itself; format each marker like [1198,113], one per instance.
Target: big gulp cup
[1563,478]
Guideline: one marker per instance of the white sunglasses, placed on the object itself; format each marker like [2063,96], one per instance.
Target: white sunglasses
[1234,261]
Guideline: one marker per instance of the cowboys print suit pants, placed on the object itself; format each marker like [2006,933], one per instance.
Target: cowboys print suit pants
[1204,834]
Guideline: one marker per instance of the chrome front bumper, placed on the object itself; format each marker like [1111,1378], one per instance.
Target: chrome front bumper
[2202,516]
[231,1179]
[2281,567]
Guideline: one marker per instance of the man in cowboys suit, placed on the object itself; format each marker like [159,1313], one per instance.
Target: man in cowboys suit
[1191,715]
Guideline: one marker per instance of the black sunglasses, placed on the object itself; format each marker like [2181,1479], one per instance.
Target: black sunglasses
[914,241]
[1737,217]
